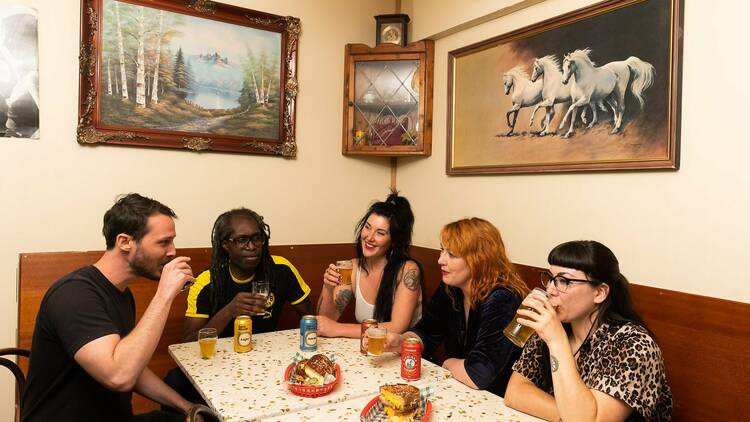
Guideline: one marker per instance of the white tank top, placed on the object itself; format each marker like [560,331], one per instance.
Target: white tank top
[364,310]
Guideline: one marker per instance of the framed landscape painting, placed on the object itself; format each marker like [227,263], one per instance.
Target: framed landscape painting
[595,89]
[191,74]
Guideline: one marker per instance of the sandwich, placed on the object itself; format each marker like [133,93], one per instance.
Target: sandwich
[313,371]
[402,402]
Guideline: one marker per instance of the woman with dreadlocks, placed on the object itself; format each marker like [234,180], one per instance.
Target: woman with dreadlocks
[240,256]
[386,282]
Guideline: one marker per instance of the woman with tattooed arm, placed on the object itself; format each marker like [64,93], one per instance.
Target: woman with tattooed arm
[386,283]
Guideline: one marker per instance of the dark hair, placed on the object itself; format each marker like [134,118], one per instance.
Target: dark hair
[219,269]
[600,265]
[398,212]
[129,215]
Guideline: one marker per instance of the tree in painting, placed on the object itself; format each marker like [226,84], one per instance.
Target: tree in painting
[163,70]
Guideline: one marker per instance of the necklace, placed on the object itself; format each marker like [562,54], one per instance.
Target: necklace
[578,349]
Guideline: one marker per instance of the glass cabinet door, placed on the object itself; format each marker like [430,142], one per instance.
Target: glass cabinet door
[386,103]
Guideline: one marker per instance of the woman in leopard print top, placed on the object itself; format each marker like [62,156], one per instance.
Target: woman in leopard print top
[592,357]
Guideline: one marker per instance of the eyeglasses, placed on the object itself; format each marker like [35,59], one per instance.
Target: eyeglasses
[244,241]
[560,282]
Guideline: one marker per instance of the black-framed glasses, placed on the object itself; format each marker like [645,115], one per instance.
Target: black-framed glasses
[560,282]
[244,241]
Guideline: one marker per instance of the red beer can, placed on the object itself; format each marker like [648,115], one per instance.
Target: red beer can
[365,325]
[411,359]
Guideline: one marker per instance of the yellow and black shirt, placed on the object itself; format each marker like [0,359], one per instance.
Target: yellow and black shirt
[287,286]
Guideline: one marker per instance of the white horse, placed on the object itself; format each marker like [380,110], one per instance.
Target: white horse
[525,93]
[633,72]
[554,91]
[589,85]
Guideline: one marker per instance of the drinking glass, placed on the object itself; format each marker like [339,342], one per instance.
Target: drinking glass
[207,341]
[517,333]
[345,269]
[375,340]
[261,288]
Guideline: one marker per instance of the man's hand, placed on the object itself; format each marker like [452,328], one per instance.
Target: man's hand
[245,303]
[175,275]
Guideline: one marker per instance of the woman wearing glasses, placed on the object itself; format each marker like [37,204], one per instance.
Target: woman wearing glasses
[479,294]
[386,283]
[593,357]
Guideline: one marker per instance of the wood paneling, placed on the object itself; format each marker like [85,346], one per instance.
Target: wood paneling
[703,339]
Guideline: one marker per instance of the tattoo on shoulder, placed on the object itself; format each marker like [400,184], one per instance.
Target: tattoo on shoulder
[553,363]
[411,280]
[342,299]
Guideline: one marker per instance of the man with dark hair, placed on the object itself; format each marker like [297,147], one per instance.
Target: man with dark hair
[88,355]
[240,257]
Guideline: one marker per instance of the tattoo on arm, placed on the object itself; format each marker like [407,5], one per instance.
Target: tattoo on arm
[553,363]
[411,280]
[342,299]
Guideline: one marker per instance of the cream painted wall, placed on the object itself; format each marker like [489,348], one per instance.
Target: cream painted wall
[55,191]
[684,230]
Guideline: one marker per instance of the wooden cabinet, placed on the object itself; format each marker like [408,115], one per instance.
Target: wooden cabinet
[388,99]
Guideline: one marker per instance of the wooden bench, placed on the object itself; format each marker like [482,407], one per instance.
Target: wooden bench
[703,339]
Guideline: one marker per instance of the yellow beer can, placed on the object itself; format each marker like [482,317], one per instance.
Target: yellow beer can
[243,334]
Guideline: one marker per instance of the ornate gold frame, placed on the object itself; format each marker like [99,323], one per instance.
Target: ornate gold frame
[91,131]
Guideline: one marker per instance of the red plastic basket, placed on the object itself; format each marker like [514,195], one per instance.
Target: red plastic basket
[374,411]
[311,390]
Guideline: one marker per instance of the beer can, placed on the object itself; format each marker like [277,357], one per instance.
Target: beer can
[308,333]
[365,325]
[411,359]
[243,334]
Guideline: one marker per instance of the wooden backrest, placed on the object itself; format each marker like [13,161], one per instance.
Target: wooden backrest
[703,339]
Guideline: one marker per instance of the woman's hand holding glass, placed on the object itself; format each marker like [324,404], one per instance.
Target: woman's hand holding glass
[331,277]
[542,317]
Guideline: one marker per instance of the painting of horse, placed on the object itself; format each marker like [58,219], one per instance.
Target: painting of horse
[609,91]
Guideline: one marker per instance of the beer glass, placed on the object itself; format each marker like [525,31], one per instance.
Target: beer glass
[261,288]
[517,333]
[207,341]
[345,269]
[375,340]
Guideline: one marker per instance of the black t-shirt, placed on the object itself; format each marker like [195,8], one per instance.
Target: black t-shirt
[286,285]
[79,308]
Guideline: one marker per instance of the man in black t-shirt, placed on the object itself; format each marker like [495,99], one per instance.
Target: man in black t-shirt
[88,355]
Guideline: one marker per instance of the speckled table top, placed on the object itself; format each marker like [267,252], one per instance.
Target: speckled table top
[452,401]
[250,386]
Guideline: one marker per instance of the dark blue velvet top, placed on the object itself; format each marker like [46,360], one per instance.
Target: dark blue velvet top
[489,356]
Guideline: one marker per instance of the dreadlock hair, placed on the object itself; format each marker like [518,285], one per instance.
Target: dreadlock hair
[220,275]
[401,219]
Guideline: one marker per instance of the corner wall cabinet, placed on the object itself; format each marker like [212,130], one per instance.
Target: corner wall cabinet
[388,99]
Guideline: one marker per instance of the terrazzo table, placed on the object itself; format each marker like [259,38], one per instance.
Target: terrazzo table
[250,386]
[452,401]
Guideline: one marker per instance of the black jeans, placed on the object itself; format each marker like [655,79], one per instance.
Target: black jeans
[181,384]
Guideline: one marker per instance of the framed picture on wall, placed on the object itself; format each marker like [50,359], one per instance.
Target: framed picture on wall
[190,74]
[594,89]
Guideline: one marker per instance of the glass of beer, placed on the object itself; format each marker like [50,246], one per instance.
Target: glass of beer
[344,268]
[375,340]
[261,288]
[517,333]
[207,341]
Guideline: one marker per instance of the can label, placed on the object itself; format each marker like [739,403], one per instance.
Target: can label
[308,333]
[411,359]
[365,325]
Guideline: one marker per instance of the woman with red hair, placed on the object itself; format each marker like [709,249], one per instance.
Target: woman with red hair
[479,294]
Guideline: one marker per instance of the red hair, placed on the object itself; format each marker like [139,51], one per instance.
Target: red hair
[479,243]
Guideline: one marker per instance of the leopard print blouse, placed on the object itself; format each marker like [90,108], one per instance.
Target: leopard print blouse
[622,361]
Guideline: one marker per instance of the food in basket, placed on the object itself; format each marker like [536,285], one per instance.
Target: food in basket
[313,371]
[401,402]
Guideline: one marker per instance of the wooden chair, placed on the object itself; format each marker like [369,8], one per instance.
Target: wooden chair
[201,413]
[17,373]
